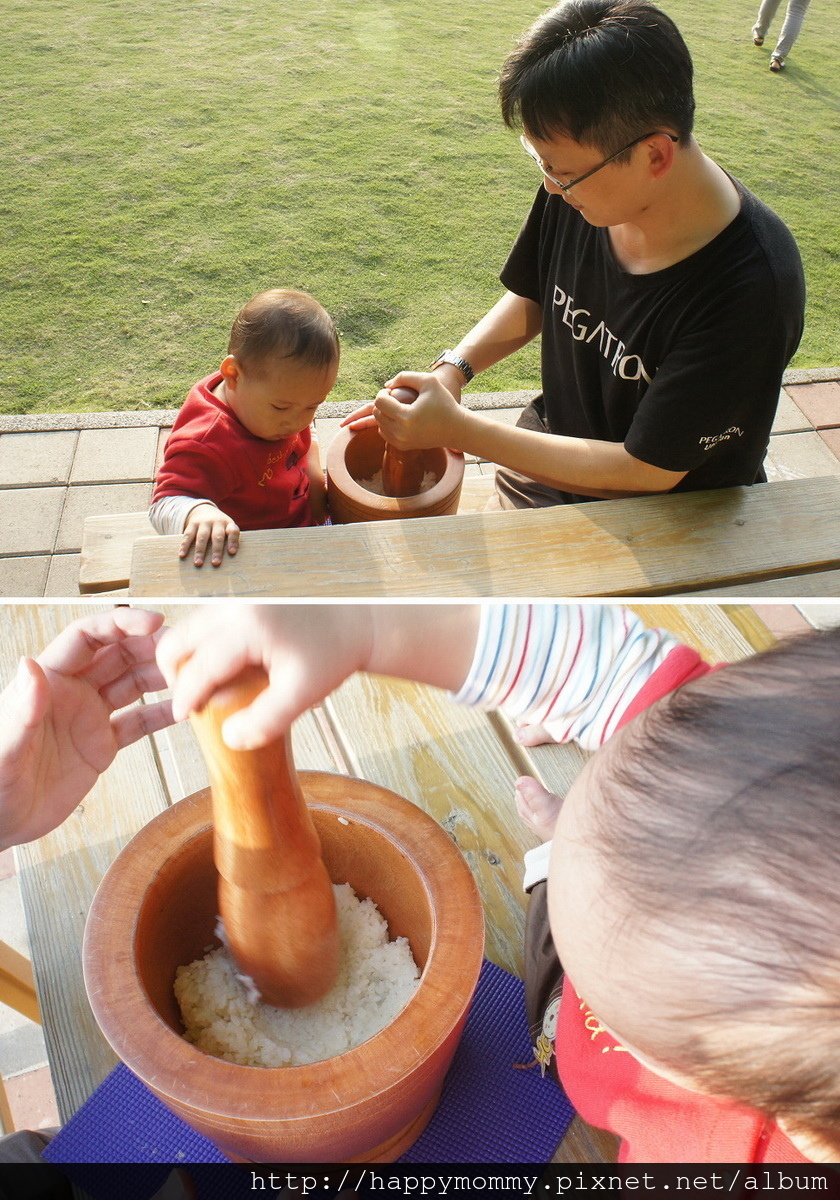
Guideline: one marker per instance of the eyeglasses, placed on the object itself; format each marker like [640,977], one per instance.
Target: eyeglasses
[565,187]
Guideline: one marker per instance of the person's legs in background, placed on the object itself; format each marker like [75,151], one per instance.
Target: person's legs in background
[794,17]
[766,13]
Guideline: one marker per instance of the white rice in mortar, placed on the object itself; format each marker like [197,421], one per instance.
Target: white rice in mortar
[375,484]
[376,979]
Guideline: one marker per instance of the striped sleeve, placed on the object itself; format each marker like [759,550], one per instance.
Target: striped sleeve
[572,668]
[169,514]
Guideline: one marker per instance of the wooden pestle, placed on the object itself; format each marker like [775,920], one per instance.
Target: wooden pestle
[402,470]
[275,896]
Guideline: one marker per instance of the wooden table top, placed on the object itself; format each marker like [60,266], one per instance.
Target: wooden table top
[646,546]
[457,763]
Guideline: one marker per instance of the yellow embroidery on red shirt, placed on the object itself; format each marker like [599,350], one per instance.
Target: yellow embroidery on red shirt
[273,458]
[595,1028]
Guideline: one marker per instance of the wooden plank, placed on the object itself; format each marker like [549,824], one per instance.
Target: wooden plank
[107,543]
[748,622]
[555,766]
[476,491]
[17,983]
[67,865]
[721,633]
[60,872]
[645,546]
[819,584]
[7,1121]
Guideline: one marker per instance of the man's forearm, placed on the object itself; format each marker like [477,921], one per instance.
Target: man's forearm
[509,325]
[583,465]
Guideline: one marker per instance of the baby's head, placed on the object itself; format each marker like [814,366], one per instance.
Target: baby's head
[695,887]
[282,362]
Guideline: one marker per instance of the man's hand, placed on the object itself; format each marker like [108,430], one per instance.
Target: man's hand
[64,717]
[365,417]
[435,418]
[205,525]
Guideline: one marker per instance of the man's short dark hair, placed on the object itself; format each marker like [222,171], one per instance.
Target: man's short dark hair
[601,72]
[282,323]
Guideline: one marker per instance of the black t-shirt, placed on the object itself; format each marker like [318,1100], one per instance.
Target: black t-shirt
[683,366]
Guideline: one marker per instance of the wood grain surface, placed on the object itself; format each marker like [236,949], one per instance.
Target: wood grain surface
[105,560]
[645,546]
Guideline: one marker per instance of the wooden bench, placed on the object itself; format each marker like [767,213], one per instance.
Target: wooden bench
[780,538]
[17,990]
[457,763]
[108,541]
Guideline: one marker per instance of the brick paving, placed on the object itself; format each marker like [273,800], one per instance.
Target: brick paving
[55,470]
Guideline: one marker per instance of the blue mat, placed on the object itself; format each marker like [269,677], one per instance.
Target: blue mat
[491,1111]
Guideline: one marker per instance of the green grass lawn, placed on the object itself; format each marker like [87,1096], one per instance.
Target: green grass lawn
[167,159]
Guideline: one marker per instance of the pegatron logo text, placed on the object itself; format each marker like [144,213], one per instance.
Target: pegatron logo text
[623,366]
[709,443]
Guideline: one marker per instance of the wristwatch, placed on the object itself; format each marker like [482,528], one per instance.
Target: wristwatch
[449,356]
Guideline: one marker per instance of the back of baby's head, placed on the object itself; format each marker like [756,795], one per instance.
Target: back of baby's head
[718,823]
[283,324]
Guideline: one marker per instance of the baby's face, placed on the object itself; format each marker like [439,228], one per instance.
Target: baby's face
[280,399]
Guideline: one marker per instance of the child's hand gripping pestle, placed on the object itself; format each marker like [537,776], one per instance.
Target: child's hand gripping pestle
[275,896]
[402,470]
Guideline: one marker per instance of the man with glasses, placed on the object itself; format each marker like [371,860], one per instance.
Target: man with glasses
[669,298]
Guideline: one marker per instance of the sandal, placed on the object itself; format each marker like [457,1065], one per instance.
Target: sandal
[776,63]
[758,39]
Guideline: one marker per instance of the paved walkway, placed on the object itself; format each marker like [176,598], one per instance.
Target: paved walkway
[55,470]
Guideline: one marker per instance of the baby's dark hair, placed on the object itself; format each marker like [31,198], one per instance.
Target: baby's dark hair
[719,825]
[601,72]
[279,324]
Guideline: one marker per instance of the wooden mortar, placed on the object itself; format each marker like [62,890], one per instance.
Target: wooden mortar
[155,910]
[355,456]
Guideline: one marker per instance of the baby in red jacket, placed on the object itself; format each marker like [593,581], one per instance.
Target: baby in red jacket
[240,455]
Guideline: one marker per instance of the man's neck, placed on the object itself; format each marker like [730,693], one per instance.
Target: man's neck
[696,202]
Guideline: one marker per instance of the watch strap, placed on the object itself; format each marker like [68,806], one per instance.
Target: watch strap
[449,356]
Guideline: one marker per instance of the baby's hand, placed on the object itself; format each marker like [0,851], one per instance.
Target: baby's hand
[206,523]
